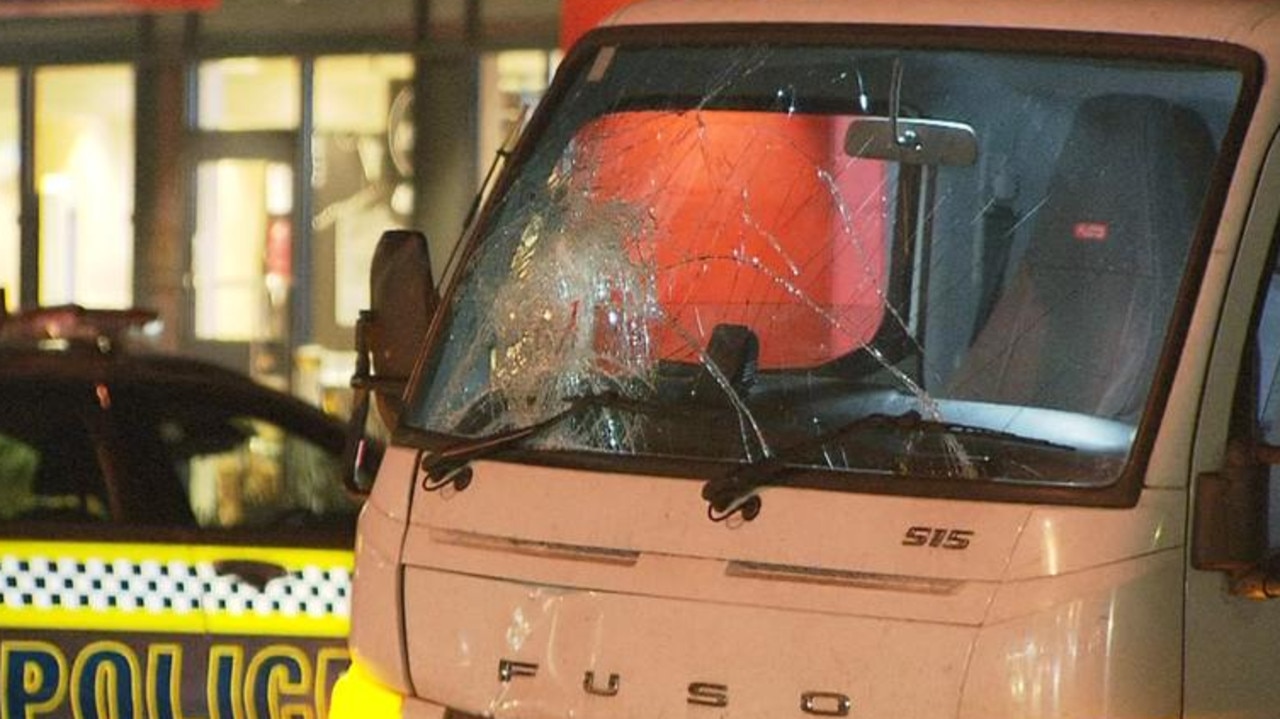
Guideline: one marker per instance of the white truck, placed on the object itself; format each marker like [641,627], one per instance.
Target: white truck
[847,358]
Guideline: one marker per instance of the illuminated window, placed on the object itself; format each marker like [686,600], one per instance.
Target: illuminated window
[511,82]
[241,249]
[84,176]
[10,149]
[249,93]
[363,153]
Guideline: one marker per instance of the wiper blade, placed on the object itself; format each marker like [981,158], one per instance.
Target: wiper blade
[735,492]
[452,465]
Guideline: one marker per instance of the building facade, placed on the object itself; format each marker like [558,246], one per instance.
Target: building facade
[230,164]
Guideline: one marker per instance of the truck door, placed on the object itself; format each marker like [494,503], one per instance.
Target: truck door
[1233,618]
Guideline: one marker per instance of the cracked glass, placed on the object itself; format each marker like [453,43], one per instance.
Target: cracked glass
[843,260]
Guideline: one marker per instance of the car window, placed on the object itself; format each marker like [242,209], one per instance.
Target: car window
[245,472]
[144,450]
[50,479]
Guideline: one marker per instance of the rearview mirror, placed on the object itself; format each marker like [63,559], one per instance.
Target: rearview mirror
[914,141]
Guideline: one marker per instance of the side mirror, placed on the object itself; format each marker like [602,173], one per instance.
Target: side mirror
[914,141]
[1229,524]
[403,299]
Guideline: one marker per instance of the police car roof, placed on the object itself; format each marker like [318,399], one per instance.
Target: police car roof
[71,326]
[70,344]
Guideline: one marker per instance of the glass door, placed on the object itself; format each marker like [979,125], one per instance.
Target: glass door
[241,252]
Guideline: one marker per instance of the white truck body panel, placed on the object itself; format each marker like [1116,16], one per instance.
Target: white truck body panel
[1233,20]
[1046,598]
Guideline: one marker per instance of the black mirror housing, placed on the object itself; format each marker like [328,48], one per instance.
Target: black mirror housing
[403,299]
[1228,527]
[1229,523]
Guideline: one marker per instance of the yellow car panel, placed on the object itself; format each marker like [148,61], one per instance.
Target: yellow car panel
[104,629]
[174,537]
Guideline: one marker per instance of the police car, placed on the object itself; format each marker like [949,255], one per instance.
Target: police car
[174,537]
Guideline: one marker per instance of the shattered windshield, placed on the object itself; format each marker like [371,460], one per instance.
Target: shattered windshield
[951,264]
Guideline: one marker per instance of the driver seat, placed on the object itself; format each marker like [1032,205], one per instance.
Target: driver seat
[1083,321]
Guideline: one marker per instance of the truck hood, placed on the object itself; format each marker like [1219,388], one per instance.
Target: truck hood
[547,592]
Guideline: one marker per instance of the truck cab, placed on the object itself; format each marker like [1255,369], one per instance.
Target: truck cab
[845,358]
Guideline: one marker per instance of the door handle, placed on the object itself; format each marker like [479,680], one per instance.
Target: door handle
[255,573]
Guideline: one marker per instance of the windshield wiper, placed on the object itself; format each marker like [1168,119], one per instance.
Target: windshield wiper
[452,465]
[735,492]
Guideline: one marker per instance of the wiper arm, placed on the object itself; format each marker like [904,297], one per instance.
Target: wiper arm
[735,492]
[452,465]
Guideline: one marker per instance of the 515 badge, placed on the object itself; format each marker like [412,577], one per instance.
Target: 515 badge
[940,537]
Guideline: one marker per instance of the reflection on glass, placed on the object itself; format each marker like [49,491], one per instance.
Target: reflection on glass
[84,176]
[263,476]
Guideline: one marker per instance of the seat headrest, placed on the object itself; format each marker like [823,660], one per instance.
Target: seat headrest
[1082,324]
[1126,190]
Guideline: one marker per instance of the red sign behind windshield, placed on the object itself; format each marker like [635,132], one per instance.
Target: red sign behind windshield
[758,219]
